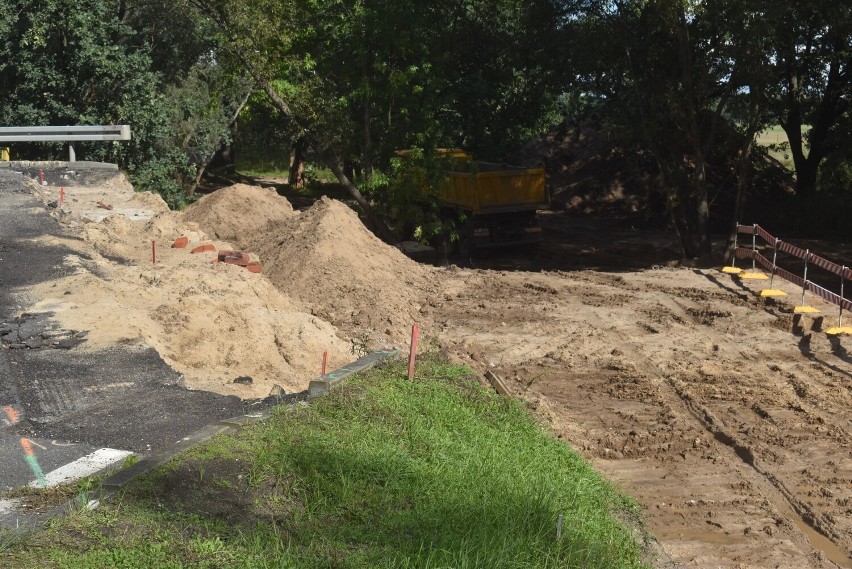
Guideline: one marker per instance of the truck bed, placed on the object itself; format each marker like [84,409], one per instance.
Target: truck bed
[493,188]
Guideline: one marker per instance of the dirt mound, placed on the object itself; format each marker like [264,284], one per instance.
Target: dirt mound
[239,213]
[327,259]
[210,322]
[588,173]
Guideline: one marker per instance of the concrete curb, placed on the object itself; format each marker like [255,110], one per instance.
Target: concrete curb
[324,384]
[118,480]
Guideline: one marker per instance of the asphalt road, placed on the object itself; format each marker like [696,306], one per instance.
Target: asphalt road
[59,402]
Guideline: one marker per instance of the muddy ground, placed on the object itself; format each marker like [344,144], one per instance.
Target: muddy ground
[725,415]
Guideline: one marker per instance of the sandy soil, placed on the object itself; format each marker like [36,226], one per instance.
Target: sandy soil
[212,322]
[725,415]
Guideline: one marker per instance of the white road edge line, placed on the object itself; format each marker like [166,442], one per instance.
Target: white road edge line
[82,467]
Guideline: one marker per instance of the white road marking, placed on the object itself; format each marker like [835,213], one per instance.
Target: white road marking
[82,467]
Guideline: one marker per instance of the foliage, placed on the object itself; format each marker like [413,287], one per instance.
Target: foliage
[64,62]
[408,196]
[693,84]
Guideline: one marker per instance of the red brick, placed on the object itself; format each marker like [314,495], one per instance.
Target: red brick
[254,267]
[204,248]
[180,243]
[234,257]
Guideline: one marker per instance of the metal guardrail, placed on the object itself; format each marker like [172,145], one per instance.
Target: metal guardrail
[67,134]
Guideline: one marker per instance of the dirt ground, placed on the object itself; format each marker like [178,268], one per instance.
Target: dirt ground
[725,415]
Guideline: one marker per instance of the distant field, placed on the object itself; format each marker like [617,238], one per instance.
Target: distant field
[773,135]
[776,136]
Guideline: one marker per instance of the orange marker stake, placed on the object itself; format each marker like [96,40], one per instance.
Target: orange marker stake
[33,461]
[13,415]
[61,195]
[412,354]
[324,361]
[153,252]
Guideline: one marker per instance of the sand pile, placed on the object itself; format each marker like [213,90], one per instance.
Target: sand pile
[210,322]
[328,260]
[239,213]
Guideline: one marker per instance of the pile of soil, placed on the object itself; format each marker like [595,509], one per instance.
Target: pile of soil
[212,322]
[328,260]
[240,213]
[587,174]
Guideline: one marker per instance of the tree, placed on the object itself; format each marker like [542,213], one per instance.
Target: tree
[82,62]
[812,53]
[361,80]
[64,62]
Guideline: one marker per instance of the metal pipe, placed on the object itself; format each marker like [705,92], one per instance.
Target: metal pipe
[734,254]
[754,248]
[774,259]
[805,283]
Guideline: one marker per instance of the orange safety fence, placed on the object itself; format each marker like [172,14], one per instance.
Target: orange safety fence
[779,246]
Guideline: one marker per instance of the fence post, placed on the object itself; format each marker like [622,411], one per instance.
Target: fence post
[736,238]
[412,354]
[733,270]
[771,291]
[842,298]
[803,308]
[754,248]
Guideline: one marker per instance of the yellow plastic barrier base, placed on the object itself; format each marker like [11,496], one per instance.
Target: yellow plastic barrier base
[838,330]
[754,276]
[806,310]
[731,270]
[772,292]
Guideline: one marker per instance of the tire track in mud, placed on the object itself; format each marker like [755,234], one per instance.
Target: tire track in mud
[819,531]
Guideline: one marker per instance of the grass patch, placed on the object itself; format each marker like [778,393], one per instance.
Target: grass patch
[435,473]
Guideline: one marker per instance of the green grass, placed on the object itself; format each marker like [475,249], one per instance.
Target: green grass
[383,472]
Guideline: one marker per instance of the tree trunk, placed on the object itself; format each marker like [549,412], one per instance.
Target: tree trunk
[226,154]
[367,161]
[380,227]
[297,164]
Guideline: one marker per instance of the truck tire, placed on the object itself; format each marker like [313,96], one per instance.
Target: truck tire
[464,245]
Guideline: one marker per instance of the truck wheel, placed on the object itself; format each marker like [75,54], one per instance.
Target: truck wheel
[465,242]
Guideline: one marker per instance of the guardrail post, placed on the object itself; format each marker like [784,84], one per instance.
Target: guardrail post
[72,157]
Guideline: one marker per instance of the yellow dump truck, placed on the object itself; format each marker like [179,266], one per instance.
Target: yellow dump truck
[501,202]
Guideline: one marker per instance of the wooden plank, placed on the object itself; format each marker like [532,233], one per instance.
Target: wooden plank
[497,383]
